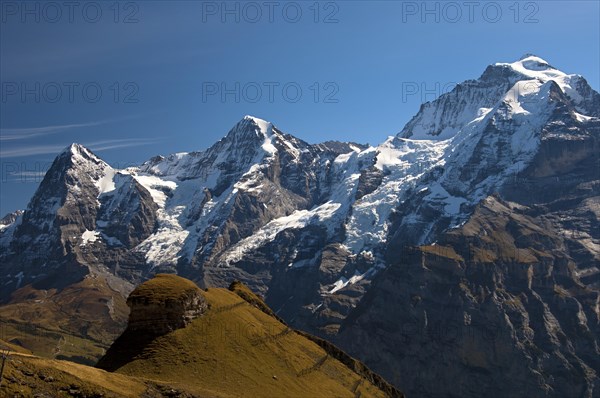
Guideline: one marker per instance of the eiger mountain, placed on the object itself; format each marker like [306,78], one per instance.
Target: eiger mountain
[459,258]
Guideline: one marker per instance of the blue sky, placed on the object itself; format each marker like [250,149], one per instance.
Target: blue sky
[135,79]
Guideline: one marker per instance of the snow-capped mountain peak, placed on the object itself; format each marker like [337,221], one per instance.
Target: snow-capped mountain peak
[533,66]
[261,128]
[79,151]
[532,61]
[582,96]
[444,117]
[250,125]
[264,125]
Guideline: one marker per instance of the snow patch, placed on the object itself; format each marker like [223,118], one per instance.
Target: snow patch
[343,281]
[297,220]
[19,278]
[157,187]
[106,183]
[89,237]
[268,146]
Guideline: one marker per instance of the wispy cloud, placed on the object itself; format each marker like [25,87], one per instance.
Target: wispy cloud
[15,134]
[29,173]
[33,132]
[99,146]
[30,150]
[96,146]
[25,176]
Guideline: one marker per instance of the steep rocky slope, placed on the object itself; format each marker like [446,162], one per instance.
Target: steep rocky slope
[495,307]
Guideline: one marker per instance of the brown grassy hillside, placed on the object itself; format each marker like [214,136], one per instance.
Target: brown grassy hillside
[77,323]
[236,347]
[239,349]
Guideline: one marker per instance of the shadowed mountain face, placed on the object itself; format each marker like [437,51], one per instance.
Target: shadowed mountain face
[499,299]
[330,233]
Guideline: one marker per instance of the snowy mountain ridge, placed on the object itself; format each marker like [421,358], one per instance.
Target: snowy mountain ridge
[444,117]
[207,214]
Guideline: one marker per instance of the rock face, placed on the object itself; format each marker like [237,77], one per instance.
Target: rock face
[157,307]
[163,304]
[496,307]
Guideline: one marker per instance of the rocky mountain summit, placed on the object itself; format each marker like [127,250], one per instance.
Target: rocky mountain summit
[483,212]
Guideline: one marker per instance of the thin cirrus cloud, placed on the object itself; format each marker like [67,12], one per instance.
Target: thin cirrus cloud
[120,143]
[25,176]
[34,132]
[17,137]
[32,150]
[15,134]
